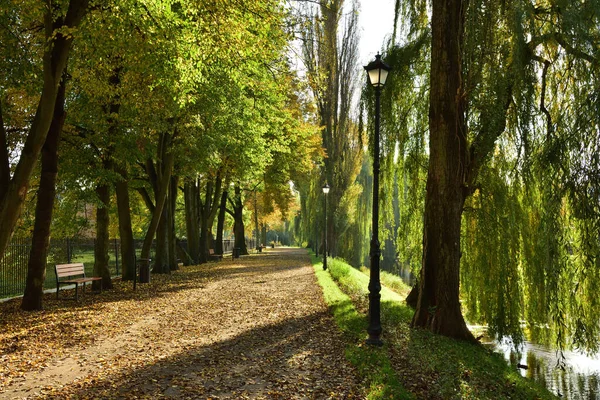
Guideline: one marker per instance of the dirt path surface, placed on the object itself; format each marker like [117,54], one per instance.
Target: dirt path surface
[255,327]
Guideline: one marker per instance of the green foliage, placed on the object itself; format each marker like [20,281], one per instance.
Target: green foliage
[330,55]
[530,232]
[490,278]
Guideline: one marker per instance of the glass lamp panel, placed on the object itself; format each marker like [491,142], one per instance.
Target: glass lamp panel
[383,76]
[374,76]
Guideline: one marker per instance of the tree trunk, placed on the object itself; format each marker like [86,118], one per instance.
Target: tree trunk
[161,258]
[125,229]
[438,307]
[54,62]
[413,297]
[121,186]
[182,253]
[221,222]
[172,236]
[237,213]
[4,157]
[36,267]
[192,220]
[214,209]
[102,237]
[161,190]
[256,229]
[204,229]
[208,212]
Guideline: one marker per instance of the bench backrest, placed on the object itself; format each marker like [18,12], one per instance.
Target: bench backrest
[66,270]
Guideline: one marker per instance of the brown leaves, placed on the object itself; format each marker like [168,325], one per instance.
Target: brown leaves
[207,331]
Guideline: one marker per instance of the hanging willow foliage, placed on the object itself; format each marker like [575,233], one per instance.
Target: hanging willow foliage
[531,228]
[403,146]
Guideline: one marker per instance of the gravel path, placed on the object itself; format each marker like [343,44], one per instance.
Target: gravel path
[256,327]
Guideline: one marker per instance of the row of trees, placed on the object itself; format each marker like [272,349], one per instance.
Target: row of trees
[490,133]
[179,105]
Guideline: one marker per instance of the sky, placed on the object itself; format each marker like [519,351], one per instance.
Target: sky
[376,21]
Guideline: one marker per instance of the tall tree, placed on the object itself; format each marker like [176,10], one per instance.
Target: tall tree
[505,91]
[438,307]
[191,192]
[330,55]
[237,212]
[160,176]
[57,40]
[125,226]
[221,219]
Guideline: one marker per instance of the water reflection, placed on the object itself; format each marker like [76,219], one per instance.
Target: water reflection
[578,379]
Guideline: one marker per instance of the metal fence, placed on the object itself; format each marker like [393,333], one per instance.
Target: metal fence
[13,266]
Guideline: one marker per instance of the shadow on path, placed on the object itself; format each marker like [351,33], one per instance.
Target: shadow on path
[300,358]
[255,327]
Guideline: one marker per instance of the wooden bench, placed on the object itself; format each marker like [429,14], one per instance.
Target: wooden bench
[213,256]
[74,274]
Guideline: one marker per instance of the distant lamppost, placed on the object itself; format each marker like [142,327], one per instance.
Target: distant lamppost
[377,71]
[325,190]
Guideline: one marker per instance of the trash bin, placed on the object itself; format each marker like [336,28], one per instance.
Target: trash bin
[236,252]
[144,268]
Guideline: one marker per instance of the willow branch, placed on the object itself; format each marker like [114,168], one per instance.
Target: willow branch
[542,101]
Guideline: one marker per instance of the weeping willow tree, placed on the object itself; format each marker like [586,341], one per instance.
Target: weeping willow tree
[534,220]
[512,203]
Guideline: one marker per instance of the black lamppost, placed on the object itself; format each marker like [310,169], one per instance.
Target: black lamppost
[325,190]
[378,72]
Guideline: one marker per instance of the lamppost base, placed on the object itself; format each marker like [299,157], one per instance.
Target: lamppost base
[374,341]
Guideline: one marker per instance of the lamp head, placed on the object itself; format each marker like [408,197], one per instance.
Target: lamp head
[377,71]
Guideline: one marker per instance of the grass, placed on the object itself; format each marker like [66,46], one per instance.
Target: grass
[391,281]
[426,365]
[373,364]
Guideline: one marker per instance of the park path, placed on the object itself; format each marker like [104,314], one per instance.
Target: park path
[255,327]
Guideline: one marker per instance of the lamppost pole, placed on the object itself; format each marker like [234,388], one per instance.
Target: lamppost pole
[325,190]
[378,72]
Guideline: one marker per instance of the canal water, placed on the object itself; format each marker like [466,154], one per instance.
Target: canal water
[574,377]
[578,378]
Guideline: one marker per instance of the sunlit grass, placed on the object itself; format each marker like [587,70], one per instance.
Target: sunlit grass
[428,365]
[372,363]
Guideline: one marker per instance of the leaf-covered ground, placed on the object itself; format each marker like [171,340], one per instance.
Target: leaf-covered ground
[254,327]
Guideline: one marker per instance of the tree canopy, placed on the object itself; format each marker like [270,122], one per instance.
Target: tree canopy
[171,115]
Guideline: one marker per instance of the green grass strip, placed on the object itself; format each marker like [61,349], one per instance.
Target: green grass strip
[373,364]
[432,364]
